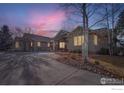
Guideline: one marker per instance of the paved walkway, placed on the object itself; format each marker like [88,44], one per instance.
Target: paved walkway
[41,68]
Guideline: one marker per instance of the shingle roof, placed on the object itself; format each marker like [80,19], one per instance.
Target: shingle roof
[61,34]
[36,37]
[19,38]
[100,32]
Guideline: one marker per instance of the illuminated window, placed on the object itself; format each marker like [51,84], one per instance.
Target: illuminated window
[78,40]
[48,44]
[75,41]
[62,45]
[95,40]
[17,44]
[31,44]
[38,44]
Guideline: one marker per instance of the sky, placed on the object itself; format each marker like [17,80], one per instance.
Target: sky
[43,19]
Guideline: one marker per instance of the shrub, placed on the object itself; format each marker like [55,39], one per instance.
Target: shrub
[76,51]
[96,62]
[103,51]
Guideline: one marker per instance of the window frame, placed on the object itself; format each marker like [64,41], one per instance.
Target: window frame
[62,45]
[31,44]
[48,44]
[38,44]
[17,44]
[95,40]
[78,40]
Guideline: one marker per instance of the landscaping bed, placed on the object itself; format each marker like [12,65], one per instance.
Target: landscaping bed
[94,65]
[114,64]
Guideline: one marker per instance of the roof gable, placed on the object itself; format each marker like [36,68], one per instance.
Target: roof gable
[35,37]
[61,34]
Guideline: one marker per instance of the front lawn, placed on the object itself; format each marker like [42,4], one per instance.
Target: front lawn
[103,64]
[114,64]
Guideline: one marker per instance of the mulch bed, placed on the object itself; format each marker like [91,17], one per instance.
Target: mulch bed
[75,60]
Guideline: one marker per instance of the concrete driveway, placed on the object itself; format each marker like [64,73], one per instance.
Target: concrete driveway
[42,69]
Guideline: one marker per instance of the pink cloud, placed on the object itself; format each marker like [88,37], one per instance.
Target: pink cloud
[44,23]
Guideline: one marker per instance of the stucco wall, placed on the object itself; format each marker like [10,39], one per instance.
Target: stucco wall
[91,46]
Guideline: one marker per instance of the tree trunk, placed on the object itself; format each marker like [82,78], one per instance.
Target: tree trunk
[114,34]
[112,11]
[85,31]
[109,36]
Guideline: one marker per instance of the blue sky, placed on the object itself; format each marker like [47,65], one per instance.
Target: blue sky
[41,17]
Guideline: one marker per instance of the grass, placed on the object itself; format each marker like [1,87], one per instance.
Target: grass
[114,60]
[113,64]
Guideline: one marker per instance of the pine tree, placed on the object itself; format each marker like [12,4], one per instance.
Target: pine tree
[120,23]
[5,38]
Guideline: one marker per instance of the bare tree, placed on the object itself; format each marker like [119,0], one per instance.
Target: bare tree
[85,30]
[115,9]
[85,12]
[109,35]
[112,11]
[108,18]
[18,31]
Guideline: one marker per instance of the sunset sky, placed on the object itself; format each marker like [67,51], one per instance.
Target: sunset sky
[43,19]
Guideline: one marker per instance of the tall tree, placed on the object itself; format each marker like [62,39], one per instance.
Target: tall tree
[108,31]
[115,10]
[85,30]
[5,38]
[120,22]
[109,21]
[85,12]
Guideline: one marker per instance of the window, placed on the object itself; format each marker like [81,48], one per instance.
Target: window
[83,39]
[95,40]
[38,44]
[31,44]
[62,45]
[48,44]
[78,40]
[17,44]
[75,41]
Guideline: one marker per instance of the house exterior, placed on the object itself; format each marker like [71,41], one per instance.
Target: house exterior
[97,40]
[63,41]
[18,44]
[31,42]
[102,39]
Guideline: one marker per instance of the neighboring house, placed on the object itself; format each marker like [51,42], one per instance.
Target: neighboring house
[31,42]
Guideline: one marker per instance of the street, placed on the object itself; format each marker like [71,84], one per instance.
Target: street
[28,68]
